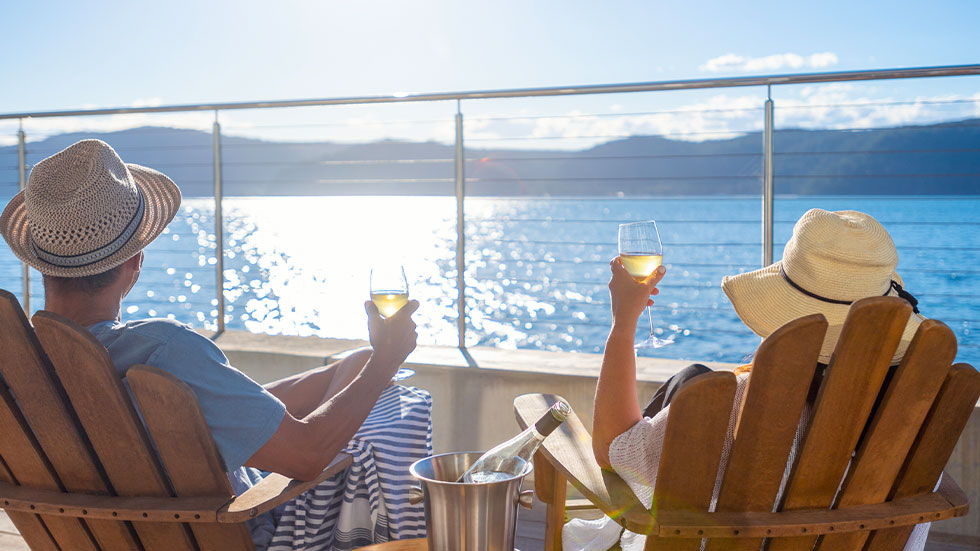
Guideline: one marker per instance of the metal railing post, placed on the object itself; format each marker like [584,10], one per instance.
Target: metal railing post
[767,183]
[460,231]
[22,180]
[219,253]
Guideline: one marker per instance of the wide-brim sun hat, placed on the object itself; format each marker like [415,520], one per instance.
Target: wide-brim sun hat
[84,211]
[832,260]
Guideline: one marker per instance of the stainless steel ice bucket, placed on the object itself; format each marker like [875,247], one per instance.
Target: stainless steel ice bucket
[468,517]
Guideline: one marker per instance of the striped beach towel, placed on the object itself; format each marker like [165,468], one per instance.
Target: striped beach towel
[368,502]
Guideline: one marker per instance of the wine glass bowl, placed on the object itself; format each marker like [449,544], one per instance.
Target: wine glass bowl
[389,289]
[641,252]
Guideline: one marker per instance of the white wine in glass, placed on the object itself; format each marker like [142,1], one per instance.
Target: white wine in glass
[389,292]
[641,252]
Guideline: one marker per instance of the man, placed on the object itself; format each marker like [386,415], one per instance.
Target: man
[83,222]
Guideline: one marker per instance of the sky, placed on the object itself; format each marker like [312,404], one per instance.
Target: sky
[70,55]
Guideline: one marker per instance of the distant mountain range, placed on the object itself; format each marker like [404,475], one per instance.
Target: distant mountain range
[938,159]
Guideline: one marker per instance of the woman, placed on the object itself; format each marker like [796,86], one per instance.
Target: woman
[832,260]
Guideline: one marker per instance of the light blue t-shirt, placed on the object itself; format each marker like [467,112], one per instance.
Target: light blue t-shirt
[241,414]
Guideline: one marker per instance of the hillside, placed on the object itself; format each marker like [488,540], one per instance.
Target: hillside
[940,159]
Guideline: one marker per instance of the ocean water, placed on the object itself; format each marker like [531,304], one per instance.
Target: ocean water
[536,269]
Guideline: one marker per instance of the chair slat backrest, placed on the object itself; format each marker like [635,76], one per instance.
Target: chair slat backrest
[895,424]
[184,444]
[31,527]
[29,467]
[69,459]
[110,421]
[782,372]
[699,417]
[932,448]
[867,343]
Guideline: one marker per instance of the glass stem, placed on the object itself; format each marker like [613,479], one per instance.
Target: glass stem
[650,317]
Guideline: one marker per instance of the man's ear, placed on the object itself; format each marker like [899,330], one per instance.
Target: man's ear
[133,266]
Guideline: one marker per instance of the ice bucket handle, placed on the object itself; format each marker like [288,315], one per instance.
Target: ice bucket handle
[415,495]
[525,499]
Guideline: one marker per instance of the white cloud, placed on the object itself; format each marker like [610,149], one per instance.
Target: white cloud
[736,63]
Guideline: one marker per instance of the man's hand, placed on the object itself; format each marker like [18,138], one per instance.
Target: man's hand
[393,338]
[628,296]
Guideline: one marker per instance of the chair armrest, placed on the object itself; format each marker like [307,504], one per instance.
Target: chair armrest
[947,502]
[274,490]
[93,506]
[569,449]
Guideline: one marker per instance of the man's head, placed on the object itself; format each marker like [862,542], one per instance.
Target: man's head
[115,281]
[85,217]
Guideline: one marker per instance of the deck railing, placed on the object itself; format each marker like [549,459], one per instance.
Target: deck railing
[766,155]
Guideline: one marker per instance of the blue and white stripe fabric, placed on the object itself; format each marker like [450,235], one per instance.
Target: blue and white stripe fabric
[368,502]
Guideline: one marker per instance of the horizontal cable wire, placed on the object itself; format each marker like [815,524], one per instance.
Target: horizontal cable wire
[878,151]
[668,221]
[868,104]
[613,115]
[573,157]
[509,261]
[613,244]
[718,177]
[716,110]
[615,136]
[712,222]
[135,148]
[871,129]
[598,281]
[520,325]
[447,120]
[570,157]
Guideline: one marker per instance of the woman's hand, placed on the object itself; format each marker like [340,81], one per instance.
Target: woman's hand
[630,296]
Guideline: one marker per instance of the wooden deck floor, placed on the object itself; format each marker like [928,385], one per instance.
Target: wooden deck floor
[530,534]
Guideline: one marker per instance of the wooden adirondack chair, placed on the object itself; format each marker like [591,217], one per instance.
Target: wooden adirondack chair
[887,489]
[79,472]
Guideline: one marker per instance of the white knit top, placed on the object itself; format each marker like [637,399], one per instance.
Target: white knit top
[635,456]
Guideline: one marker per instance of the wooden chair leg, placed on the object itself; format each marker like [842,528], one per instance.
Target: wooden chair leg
[551,488]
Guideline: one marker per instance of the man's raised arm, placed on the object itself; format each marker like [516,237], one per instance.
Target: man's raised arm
[302,447]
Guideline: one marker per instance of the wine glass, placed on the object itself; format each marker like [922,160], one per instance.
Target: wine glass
[641,253]
[389,292]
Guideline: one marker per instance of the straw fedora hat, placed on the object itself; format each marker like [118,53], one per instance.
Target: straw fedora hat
[832,260]
[85,212]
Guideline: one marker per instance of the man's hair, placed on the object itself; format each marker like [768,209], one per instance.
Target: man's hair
[88,285]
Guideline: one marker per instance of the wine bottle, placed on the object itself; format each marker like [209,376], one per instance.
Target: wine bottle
[507,460]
